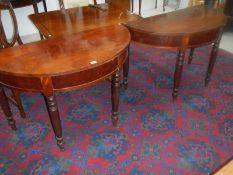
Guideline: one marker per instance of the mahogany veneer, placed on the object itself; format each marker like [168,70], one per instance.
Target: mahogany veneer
[68,21]
[65,63]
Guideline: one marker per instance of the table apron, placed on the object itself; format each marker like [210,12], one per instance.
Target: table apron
[67,81]
[175,41]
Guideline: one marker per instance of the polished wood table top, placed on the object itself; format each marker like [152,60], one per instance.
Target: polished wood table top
[186,22]
[78,19]
[65,54]
[65,63]
[182,29]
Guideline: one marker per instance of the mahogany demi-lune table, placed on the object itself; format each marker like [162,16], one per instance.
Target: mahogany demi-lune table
[182,29]
[65,63]
[78,19]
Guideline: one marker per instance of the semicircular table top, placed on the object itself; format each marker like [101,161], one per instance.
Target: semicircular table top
[65,54]
[185,21]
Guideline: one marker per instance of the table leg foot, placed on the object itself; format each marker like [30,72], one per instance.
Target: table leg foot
[55,120]
[115,91]
[174,94]
[178,73]
[6,109]
[60,143]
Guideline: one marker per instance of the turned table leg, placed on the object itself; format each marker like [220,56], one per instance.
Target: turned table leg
[126,72]
[55,120]
[6,109]
[115,91]
[178,73]
[191,55]
[212,60]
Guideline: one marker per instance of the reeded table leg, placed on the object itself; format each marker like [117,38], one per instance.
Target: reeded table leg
[55,120]
[178,73]
[191,55]
[126,72]
[6,108]
[212,60]
[115,89]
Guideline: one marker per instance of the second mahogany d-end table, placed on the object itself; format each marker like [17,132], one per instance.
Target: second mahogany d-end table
[182,29]
[65,63]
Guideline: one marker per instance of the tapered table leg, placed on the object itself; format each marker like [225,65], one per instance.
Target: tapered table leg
[115,91]
[126,72]
[55,120]
[6,109]
[191,55]
[212,60]
[178,73]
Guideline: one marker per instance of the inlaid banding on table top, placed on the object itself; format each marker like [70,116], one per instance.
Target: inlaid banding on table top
[65,54]
[186,21]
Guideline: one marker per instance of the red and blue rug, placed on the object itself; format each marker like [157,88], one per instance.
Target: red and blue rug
[191,136]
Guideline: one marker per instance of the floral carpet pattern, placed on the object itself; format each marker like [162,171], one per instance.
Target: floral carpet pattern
[155,136]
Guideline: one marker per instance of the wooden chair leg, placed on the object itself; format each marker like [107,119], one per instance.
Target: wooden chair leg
[18,102]
[45,6]
[191,55]
[156,4]
[140,6]
[132,4]
[6,109]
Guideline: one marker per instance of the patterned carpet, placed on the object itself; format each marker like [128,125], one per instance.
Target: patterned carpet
[191,136]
